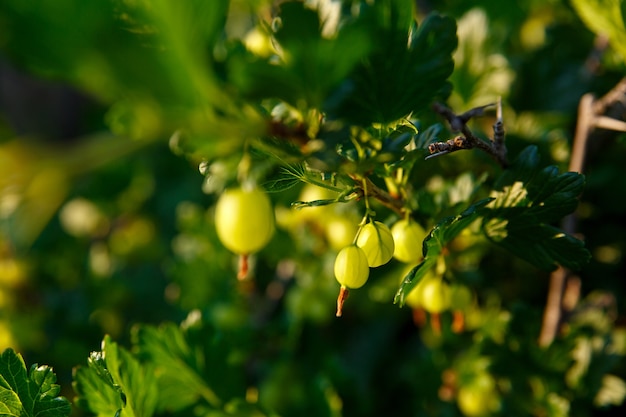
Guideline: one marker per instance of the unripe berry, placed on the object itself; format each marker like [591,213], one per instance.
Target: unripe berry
[339,230]
[377,242]
[414,298]
[351,268]
[244,220]
[408,236]
[434,295]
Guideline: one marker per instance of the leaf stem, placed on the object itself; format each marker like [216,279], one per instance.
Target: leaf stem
[366,197]
[341,298]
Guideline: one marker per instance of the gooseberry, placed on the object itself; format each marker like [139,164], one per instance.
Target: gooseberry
[316,214]
[434,295]
[407,236]
[339,230]
[244,220]
[351,271]
[377,242]
[351,267]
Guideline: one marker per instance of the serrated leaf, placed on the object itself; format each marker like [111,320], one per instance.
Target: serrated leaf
[116,383]
[421,141]
[526,200]
[180,383]
[522,169]
[407,68]
[282,183]
[443,232]
[29,394]
[288,177]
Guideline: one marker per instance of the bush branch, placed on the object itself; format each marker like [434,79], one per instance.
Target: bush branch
[564,288]
[458,123]
[374,191]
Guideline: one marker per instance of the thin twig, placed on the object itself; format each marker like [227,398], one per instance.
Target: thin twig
[458,123]
[386,199]
[498,131]
[616,95]
[564,288]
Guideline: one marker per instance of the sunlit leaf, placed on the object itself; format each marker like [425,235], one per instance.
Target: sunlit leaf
[115,383]
[179,380]
[31,393]
[526,201]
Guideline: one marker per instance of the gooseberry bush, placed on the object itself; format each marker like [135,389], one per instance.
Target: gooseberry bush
[370,228]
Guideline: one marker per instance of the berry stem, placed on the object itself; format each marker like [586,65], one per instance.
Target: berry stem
[458,321]
[343,294]
[419,317]
[366,197]
[244,267]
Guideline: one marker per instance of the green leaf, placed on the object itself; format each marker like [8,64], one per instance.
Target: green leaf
[180,383]
[427,136]
[396,141]
[115,383]
[605,17]
[29,394]
[526,200]
[410,157]
[407,68]
[443,232]
[284,181]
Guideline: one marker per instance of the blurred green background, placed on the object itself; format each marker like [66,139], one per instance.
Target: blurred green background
[105,219]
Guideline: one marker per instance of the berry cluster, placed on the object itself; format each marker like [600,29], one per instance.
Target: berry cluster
[245,223]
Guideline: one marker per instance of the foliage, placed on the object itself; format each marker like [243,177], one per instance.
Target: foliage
[525,201]
[328,106]
[29,393]
[607,18]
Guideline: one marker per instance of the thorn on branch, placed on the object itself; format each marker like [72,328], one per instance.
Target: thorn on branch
[458,123]
[452,145]
[498,132]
